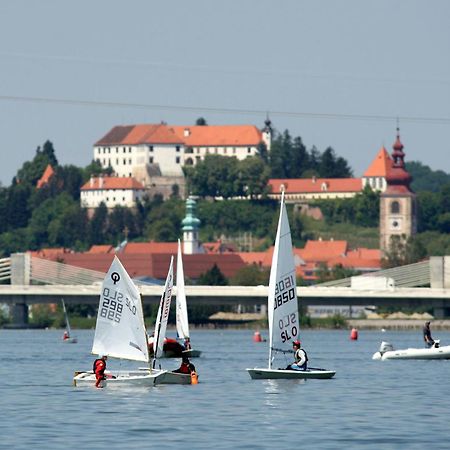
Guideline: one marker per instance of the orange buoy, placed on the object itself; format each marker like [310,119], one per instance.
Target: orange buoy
[194,378]
[257,337]
[354,334]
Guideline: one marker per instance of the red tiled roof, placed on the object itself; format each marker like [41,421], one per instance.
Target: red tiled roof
[150,247]
[101,249]
[380,166]
[323,250]
[218,247]
[105,183]
[45,178]
[315,185]
[219,135]
[140,134]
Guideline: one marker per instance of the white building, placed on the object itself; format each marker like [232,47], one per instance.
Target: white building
[112,191]
[151,151]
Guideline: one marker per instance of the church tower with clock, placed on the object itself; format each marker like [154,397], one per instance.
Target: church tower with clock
[398,205]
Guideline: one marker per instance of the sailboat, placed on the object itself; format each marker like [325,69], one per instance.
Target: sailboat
[181,308]
[67,336]
[283,307]
[120,331]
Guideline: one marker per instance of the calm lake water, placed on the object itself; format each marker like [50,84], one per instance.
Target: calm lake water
[369,404]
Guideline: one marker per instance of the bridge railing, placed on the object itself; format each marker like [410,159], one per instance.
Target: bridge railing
[5,269]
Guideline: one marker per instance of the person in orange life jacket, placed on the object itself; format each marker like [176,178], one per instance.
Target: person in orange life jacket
[300,358]
[186,366]
[99,368]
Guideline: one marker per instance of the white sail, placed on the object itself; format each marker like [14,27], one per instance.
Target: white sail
[282,301]
[182,315]
[66,318]
[163,314]
[120,329]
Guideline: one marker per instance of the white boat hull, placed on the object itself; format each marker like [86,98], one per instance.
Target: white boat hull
[282,374]
[140,377]
[415,353]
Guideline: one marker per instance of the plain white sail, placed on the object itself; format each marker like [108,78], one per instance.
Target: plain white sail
[120,329]
[282,301]
[66,317]
[182,315]
[163,314]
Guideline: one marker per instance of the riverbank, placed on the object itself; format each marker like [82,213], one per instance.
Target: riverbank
[396,324]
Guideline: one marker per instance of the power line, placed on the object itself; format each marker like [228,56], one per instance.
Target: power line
[199,109]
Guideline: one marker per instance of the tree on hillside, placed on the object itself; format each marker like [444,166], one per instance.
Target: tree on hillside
[31,171]
[402,251]
[253,175]
[97,225]
[426,179]
[251,275]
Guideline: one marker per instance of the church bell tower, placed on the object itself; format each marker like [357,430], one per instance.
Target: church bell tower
[398,204]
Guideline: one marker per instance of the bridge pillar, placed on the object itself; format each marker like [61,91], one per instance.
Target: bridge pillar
[440,272]
[19,315]
[20,274]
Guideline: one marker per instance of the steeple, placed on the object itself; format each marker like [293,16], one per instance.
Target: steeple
[190,229]
[267,132]
[398,179]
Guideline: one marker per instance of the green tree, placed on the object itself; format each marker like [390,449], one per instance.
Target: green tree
[97,225]
[253,175]
[212,277]
[251,275]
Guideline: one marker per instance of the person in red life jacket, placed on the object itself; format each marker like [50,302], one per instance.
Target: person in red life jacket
[300,358]
[66,335]
[99,368]
[186,366]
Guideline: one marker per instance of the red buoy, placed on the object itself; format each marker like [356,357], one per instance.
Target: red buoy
[354,334]
[257,337]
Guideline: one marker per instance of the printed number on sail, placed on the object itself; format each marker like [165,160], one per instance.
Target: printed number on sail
[284,291]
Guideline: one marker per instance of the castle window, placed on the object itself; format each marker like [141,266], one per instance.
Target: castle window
[395,207]
[151,148]
[177,148]
[151,160]
[177,160]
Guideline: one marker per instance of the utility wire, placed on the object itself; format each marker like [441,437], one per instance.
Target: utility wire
[310,115]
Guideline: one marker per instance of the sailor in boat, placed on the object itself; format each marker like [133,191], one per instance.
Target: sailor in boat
[99,368]
[429,341]
[187,344]
[186,366]
[300,357]
[66,335]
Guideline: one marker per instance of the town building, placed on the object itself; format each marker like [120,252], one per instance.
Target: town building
[154,154]
[112,191]
[46,176]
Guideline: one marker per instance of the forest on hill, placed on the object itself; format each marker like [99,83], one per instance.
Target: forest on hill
[52,216]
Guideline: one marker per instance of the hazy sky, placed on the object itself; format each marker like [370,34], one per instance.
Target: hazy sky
[336,73]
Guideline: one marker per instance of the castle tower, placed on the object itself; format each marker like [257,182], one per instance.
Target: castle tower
[398,207]
[190,228]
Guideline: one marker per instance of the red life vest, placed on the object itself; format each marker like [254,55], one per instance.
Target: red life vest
[99,366]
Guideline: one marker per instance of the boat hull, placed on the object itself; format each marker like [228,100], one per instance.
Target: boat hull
[192,353]
[414,353]
[140,377]
[71,340]
[283,374]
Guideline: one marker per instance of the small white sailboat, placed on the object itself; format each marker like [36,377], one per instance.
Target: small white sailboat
[120,331]
[387,351]
[181,308]
[283,308]
[67,336]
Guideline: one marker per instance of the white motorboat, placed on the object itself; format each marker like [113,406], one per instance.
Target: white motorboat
[120,332]
[284,325]
[436,351]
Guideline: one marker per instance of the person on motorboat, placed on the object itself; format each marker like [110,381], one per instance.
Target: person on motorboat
[186,366]
[429,341]
[300,357]
[99,368]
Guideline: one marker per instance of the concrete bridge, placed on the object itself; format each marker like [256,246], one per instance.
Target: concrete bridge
[392,287]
